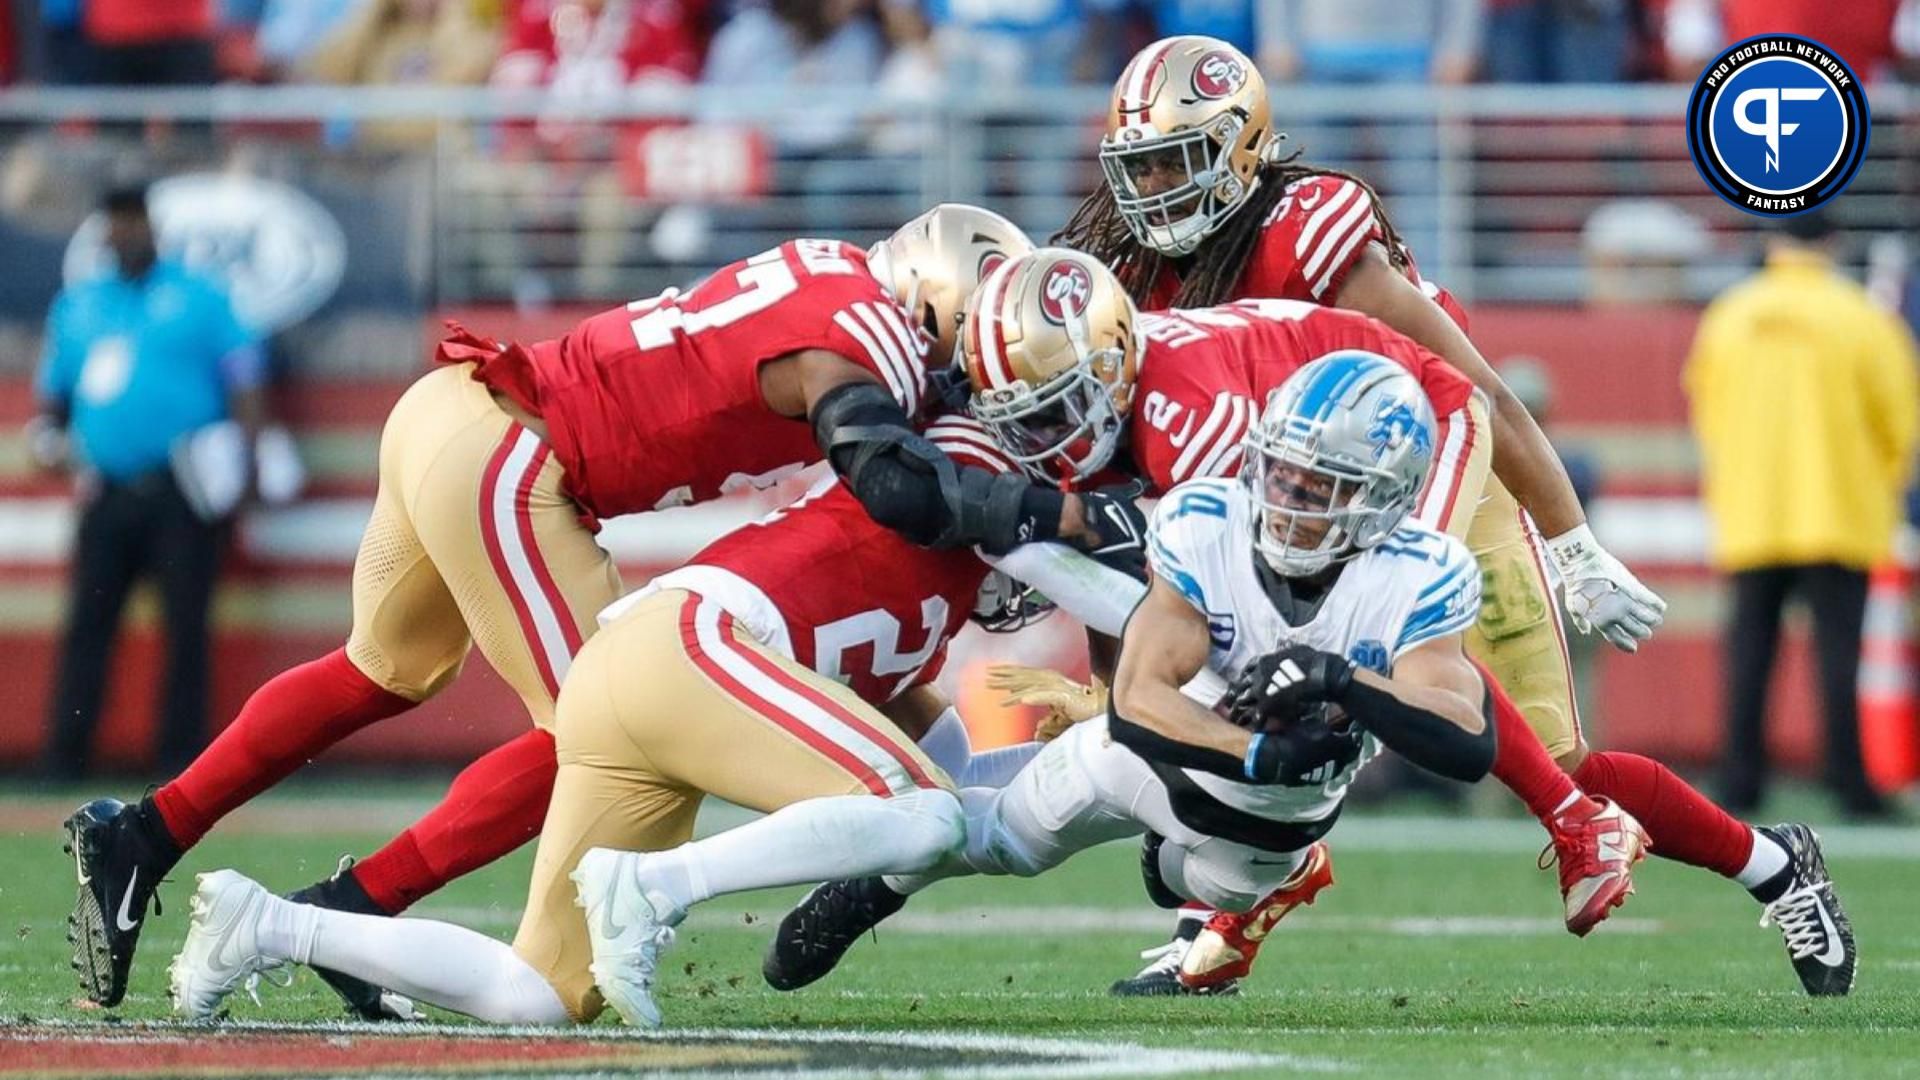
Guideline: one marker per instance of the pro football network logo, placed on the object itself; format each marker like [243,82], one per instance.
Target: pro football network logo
[1065,291]
[1778,125]
[1219,75]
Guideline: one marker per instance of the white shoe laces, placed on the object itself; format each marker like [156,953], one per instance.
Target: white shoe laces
[1797,914]
[276,972]
[1164,959]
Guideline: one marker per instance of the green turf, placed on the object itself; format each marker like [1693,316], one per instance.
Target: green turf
[1698,990]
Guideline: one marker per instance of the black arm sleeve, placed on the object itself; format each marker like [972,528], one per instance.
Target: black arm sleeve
[1427,739]
[1154,746]
[909,485]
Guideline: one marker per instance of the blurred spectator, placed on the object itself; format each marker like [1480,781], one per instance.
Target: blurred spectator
[1232,21]
[1640,251]
[1861,32]
[137,360]
[1371,40]
[785,46]
[290,30]
[559,174]
[586,49]
[1010,42]
[136,42]
[1806,404]
[1558,41]
[405,43]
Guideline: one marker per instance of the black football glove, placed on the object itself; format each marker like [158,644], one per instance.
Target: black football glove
[1305,751]
[1120,528]
[1280,685]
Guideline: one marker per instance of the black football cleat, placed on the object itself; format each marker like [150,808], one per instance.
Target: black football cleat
[120,854]
[822,927]
[1819,938]
[364,1000]
[1161,976]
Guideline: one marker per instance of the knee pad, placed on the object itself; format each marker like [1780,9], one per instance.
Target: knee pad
[993,845]
[933,828]
[1227,884]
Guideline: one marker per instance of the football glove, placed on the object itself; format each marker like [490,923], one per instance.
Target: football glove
[1120,528]
[1601,594]
[1281,685]
[1305,751]
[1066,702]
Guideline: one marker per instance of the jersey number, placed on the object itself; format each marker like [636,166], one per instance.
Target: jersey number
[881,630]
[764,281]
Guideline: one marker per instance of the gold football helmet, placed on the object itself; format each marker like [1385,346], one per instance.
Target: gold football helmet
[933,263]
[1189,129]
[1051,355]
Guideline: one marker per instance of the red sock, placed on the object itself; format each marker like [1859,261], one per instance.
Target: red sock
[495,805]
[1682,823]
[294,717]
[1521,762]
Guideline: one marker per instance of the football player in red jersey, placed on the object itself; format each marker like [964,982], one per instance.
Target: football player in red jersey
[492,468]
[1181,413]
[765,672]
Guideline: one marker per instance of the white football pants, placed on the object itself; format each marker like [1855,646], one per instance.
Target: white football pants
[1081,790]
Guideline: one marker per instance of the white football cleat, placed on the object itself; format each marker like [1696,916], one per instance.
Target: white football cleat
[627,927]
[222,952]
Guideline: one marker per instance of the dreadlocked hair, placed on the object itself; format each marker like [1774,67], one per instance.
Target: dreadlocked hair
[1098,229]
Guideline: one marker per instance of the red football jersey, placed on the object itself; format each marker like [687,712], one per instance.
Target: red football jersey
[858,602]
[657,403]
[1310,241]
[1207,372]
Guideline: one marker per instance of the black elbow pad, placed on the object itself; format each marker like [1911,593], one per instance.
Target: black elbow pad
[901,478]
[911,486]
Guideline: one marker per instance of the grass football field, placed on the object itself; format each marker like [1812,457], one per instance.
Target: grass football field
[1438,953]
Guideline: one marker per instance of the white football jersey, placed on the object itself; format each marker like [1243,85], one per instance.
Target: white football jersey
[1414,586]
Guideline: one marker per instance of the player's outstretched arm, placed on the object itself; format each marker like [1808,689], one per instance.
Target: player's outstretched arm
[1434,710]
[1601,593]
[1164,646]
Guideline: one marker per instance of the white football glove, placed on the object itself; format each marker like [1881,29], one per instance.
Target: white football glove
[1602,594]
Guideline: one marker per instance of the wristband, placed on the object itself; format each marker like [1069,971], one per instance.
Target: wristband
[1572,548]
[1250,766]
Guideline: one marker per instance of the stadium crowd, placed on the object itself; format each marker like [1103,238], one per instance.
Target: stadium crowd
[583,45]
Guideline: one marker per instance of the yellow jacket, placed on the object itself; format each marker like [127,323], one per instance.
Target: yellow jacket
[1806,404]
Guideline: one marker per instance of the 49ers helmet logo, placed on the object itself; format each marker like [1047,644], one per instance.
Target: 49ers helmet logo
[1064,292]
[1219,75]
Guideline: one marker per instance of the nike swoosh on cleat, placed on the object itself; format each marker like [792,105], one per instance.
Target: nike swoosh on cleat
[1836,952]
[613,931]
[120,917]
[80,864]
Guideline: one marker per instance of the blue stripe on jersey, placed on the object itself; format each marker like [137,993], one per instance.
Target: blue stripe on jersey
[1167,565]
[1437,619]
[1453,579]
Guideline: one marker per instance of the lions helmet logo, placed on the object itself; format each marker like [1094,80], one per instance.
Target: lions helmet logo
[1065,292]
[1394,425]
[1219,75]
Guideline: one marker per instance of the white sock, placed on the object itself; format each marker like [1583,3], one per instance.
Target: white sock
[948,744]
[1768,859]
[435,962]
[813,840]
[996,768]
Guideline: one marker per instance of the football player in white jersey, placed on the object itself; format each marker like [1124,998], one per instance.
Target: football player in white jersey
[1296,622]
